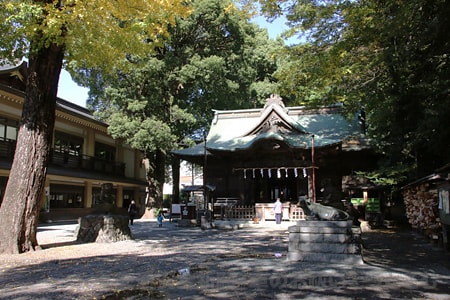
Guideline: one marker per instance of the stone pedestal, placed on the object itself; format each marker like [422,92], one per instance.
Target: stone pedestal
[103,229]
[325,241]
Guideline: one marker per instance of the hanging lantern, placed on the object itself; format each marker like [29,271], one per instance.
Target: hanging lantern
[295,172]
[304,172]
[245,173]
[278,173]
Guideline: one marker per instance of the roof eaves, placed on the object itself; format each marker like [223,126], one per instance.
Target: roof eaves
[430,178]
[63,106]
[6,67]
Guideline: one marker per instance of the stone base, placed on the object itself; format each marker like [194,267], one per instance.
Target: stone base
[325,257]
[325,241]
[103,229]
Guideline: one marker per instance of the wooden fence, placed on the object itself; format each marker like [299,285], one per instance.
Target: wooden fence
[241,212]
[296,213]
[247,212]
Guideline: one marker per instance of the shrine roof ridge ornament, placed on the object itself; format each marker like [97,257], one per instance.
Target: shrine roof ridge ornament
[275,118]
[274,99]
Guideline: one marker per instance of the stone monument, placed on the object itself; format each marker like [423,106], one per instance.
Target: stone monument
[103,229]
[327,235]
[104,226]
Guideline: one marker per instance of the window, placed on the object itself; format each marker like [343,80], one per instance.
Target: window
[8,129]
[105,152]
[8,137]
[68,144]
[65,196]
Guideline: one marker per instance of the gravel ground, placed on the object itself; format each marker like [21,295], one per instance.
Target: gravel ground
[189,263]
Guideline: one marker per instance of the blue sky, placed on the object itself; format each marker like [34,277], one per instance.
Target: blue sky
[70,91]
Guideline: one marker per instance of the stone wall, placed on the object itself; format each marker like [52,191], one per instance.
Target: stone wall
[103,229]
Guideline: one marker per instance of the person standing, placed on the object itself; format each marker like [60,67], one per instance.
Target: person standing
[132,210]
[278,209]
[160,219]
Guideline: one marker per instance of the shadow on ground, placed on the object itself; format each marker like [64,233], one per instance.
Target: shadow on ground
[189,263]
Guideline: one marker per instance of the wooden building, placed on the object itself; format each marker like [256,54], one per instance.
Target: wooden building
[257,155]
[428,207]
[84,157]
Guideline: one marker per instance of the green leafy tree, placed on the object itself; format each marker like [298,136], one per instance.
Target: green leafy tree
[390,57]
[214,59]
[48,33]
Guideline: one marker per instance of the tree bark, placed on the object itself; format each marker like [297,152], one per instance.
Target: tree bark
[155,164]
[19,212]
[175,179]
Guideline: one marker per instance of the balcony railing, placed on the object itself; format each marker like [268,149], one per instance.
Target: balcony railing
[88,163]
[68,160]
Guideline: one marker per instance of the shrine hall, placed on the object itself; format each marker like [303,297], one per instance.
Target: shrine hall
[257,155]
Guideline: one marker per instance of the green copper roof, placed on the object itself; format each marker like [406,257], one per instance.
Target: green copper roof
[238,130]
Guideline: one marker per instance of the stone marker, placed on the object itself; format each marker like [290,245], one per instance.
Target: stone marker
[325,241]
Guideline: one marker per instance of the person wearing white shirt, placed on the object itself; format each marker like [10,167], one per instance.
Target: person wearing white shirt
[277,209]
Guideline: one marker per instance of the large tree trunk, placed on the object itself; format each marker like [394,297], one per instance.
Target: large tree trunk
[19,211]
[175,179]
[155,169]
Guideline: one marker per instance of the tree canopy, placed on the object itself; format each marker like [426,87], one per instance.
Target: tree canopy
[389,57]
[213,59]
[47,33]
[87,29]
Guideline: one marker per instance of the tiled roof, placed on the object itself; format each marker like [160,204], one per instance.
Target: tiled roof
[239,130]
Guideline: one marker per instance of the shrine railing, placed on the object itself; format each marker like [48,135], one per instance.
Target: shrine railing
[242,212]
[296,213]
[262,211]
